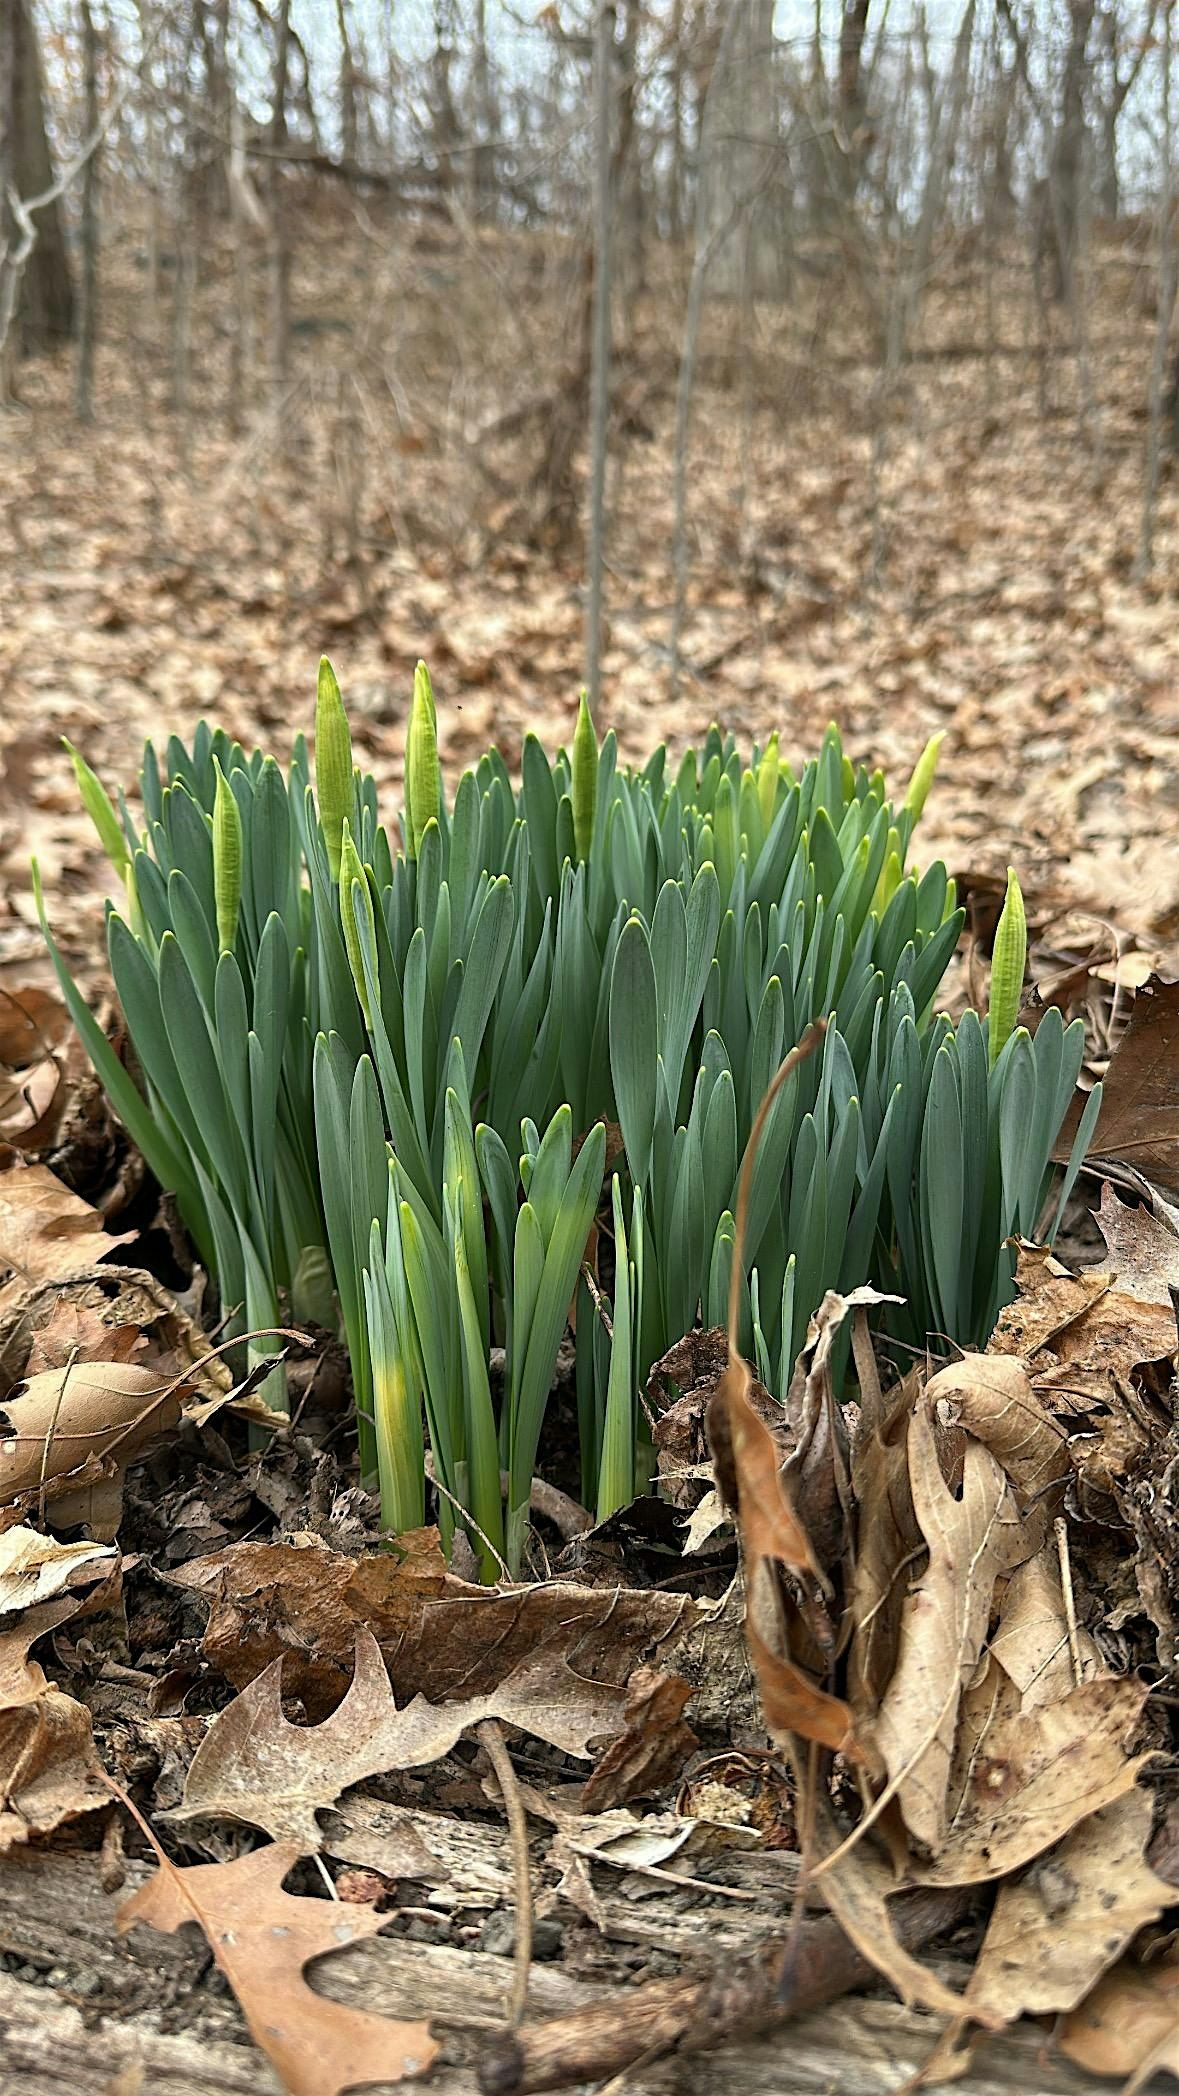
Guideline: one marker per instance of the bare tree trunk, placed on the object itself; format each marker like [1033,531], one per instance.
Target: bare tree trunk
[348,125]
[280,248]
[1120,86]
[852,109]
[1166,296]
[34,264]
[600,349]
[88,308]
[675,201]
[1066,166]
[486,121]
[945,125]
[709,240]
[153,120]
[444,117]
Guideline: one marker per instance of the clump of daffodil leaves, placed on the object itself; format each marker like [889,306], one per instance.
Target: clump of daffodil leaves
[377,1067]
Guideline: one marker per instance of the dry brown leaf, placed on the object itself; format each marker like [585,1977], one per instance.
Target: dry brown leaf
[971,1541]
[1031,1642]
[858,1889]
[46,1232]
[991,1396]
[107,1313]
[1139,1123]
[49,1771]
[1056,1929]
[817,1471]
[1143,1252]
[254,1766]
[72,1433]
[440,1637]
[262,1939]
[748,1466]
[34,1030]
[651,1750]
[888,1540]
[1049,1300]
[1034,1774]
[1129,2024]
[33,1567]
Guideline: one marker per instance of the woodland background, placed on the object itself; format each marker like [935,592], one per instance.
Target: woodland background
[742,361]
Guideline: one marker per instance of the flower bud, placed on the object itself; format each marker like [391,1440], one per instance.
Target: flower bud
[584,790]
[423,776]
[227,861]
[333,763]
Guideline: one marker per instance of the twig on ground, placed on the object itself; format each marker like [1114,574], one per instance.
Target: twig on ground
[688,2015]
[492,1740]
[1070,1602]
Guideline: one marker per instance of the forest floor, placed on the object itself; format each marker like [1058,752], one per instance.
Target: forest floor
[974,568]
[957,549]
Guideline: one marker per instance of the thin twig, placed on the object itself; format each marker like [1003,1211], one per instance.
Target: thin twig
[492,1740]
[42,1482]
[1070,1605]
[468,1518]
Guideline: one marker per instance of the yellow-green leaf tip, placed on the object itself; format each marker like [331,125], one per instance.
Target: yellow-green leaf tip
[333,763]
[917,792]
[1008,961]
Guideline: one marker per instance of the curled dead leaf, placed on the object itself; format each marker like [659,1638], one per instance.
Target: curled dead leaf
[33,1567]
[992,1398]
[35,1040]
[49,1771]
[748,1465]
[971,1540]
[1129,2025]
[71,1433]
[653,1746]
[1139,1123]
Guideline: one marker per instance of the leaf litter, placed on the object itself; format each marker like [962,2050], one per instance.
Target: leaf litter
[957,1596]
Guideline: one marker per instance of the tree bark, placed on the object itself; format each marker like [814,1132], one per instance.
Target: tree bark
[88,308]
[600,356]
[46,287]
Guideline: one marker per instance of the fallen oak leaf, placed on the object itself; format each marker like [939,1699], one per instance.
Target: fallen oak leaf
[262,1939]
[992,1397]
[1143,1252]
[441,1637]
[253,1765]
[1055,1930]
